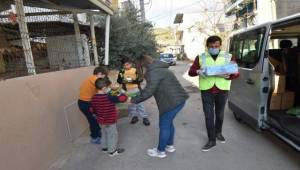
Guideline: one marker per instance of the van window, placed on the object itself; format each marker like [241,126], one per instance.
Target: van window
[246,47]
[274,43]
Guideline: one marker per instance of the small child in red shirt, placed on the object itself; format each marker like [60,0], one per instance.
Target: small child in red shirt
[103,106]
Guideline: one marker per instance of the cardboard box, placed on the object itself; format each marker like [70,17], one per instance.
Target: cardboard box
[275,103]
[123,110]
[287,101]
[123,113]
[279,84]
[279,66]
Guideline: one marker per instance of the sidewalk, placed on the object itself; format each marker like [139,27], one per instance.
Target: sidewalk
[245,149]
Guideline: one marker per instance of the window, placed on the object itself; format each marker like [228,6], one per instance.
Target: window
[275,42]
[246,47]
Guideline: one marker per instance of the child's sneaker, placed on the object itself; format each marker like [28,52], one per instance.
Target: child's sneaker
[170,148]
[116,152]
[146,122]
[134,120]
[155,153]
[96,140]
[104,150]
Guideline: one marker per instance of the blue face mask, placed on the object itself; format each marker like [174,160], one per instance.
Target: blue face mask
[214,51]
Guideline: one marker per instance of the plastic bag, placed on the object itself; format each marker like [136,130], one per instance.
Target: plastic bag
[295,111]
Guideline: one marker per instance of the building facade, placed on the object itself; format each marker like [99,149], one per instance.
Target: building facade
[245,13]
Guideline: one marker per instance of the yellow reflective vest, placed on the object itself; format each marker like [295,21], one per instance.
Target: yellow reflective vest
[206,83]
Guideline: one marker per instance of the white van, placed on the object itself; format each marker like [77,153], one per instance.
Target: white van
[267,93]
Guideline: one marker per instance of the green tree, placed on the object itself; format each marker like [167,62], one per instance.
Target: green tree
[130,36]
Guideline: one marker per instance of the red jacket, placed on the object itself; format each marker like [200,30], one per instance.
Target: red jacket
[196,66]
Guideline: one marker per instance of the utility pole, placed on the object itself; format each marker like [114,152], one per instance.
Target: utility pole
[142,8]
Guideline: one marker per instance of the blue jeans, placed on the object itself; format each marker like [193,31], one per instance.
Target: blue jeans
[137,110]
[166,127]
[95,129]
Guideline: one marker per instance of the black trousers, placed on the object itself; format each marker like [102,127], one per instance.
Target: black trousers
[213,107]
[94,127]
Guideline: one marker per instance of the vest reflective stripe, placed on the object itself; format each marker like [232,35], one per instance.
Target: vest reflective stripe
[206,83]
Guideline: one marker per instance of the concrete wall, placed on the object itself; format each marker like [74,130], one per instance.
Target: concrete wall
[192,39]
[265,11]
[33,126]
[287,8]
[269,10]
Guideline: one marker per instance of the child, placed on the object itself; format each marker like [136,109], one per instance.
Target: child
[130,81]
[106,113]
[87,91]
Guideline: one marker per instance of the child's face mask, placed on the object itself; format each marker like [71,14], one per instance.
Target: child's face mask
[107,90]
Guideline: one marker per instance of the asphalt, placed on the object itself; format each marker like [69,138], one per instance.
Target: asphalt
[245,149]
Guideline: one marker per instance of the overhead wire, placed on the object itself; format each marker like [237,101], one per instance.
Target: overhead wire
[167,12]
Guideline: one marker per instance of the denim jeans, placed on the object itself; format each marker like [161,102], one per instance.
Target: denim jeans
[213,105]
[166,127]
[84,107]
[137,110]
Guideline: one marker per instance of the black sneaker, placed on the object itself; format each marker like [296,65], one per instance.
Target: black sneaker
[104,150]
[134,120]
[146,122]
[208,146]
[117,152]
[220,137]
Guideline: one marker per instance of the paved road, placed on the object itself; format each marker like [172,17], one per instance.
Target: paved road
[245,148]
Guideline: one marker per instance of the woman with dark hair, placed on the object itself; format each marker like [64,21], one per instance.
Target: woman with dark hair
[170,98]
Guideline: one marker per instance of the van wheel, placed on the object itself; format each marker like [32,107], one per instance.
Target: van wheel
[237,117]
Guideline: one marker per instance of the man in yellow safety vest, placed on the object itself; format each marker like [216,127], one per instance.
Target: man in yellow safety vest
[214,89]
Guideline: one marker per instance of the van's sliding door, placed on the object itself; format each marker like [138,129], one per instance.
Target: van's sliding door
[248,48]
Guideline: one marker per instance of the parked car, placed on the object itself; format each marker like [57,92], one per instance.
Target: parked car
[168,58]
[267,95]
